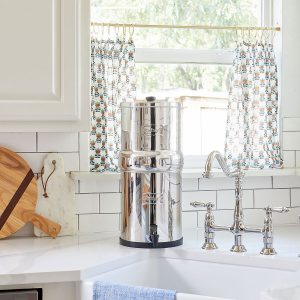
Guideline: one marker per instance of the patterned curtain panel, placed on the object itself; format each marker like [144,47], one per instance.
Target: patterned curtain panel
[112,81]
[252,123]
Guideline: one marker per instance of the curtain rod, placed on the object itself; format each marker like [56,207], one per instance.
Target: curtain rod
[187,26]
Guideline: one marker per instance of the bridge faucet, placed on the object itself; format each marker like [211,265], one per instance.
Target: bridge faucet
[238,227]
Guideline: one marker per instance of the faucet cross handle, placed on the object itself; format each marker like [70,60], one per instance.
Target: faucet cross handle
[270,210]
[209,205]
[267,230]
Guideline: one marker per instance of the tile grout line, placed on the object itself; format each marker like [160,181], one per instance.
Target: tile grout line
[36,142]
[272,182]
[78,150]
[99,202]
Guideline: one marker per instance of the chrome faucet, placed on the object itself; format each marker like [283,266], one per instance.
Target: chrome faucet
[238,227]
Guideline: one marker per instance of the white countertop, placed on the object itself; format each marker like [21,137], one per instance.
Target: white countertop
[38,260]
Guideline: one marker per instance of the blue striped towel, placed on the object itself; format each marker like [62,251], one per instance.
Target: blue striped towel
[113,291]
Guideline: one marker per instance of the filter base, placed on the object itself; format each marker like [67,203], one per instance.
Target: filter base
[149,245]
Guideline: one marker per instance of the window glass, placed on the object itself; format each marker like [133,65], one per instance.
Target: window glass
[203,90]
[187,12]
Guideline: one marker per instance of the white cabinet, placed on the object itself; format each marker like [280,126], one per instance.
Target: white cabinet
[44,65]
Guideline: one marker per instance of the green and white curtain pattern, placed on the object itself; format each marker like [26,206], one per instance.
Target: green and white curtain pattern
[112,81]
[252,123]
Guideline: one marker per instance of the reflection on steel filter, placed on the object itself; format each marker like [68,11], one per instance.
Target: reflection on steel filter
[151,163]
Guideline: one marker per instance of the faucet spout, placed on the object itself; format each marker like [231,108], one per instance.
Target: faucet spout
[222,163]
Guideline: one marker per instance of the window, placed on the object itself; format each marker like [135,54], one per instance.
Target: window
[193,65]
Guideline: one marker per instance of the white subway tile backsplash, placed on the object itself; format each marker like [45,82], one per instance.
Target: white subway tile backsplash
[291,124]
[96,186]
[297,159]
[291,140]
[189,219]
[226,199]
[110,203]
[84,157]
[98,203]
[190,184]
[260,182]
[212,183]
[36,160]
[19,142]
[201,218]
[57,142]
[71,161]
[289,159]
[228,183]
[271,197]
[98,222]
[201,196]
[87,203]
[295,197]
[291,217]
[223,217]
[286,181]
[254,217]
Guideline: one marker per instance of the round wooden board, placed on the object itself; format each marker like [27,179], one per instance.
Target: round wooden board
[13,170]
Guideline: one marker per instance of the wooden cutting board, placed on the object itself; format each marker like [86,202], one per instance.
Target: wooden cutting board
[59,205]
[18,196]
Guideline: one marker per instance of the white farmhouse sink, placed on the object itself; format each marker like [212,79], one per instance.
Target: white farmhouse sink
[204,276]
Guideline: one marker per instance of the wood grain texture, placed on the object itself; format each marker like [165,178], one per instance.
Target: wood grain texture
[13,170]
[47,226]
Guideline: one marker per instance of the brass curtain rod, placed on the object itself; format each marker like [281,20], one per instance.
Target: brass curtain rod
[188,26]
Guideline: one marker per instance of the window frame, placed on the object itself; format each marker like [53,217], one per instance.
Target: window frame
[163,55]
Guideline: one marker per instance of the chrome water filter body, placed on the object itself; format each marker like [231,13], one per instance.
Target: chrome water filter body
[151,164]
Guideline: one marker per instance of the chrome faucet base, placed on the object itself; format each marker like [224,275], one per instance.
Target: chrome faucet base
[238,248]
[268,251]
[209,246]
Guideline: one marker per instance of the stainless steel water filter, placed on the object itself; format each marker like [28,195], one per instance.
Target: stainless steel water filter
[151,163]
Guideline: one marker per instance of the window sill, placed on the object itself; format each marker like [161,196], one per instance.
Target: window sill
[189,174]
